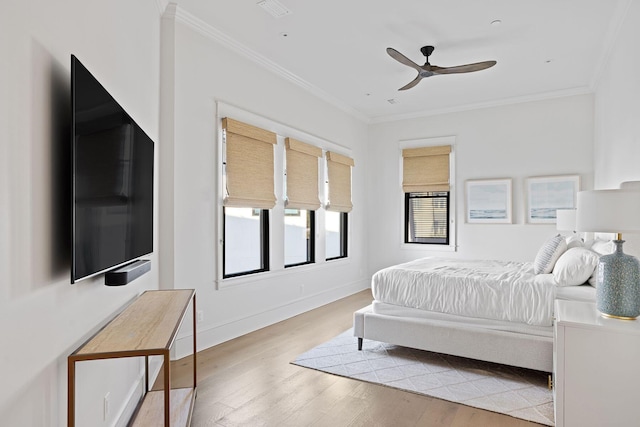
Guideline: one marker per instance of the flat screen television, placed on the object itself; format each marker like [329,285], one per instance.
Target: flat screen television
[112,181]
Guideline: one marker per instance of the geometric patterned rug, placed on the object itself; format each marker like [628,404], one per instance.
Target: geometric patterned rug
[518,392]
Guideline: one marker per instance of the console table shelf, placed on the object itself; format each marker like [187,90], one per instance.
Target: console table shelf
[147,327]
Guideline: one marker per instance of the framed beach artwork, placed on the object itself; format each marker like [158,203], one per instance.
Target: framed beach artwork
[489,201]
[547,194]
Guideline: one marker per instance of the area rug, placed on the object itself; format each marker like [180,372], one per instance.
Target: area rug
[518,392]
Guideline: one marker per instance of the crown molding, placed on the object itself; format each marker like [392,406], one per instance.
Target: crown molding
[583,90]
[612,36]
[224,39]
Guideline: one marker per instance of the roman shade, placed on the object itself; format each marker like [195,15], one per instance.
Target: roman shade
[425,169]
[302,175]
[249,165]
[339,171]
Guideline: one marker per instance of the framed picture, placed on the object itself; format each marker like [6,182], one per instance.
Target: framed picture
[489,201]
[547,194]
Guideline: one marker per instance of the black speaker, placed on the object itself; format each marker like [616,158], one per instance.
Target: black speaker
[127,273]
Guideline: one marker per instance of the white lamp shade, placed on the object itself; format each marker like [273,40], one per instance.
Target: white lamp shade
[566,220]
[608,211]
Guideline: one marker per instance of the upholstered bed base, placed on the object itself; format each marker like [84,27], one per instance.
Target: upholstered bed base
[509,348]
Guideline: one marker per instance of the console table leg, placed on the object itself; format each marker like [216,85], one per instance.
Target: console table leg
[167,390]
[71,392]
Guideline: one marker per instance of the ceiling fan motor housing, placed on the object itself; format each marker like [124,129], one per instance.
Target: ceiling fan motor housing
[427,51]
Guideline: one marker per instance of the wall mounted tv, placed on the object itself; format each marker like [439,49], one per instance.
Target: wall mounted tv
[112,181]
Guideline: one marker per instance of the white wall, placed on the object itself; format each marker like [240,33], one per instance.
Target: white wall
[617,119]
[206,72]
[617,104]
[551,137]
[43,316]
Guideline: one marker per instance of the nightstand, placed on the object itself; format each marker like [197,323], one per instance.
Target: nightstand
[596,367]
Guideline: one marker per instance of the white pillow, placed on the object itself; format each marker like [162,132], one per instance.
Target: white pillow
[602,247]
[574,241]
[575,266]
[549,254]
[593,280]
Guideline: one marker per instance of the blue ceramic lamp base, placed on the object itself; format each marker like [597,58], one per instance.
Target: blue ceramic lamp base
[618,287]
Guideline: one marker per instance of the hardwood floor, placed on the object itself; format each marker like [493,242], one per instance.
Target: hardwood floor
[249,381]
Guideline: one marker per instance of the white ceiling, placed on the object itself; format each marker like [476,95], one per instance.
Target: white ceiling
[336,48]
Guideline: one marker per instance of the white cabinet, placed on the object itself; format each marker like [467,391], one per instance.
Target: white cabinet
[596,366]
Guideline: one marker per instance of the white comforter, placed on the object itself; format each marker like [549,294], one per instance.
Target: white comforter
[499,290]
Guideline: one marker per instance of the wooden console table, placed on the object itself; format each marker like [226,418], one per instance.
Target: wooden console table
[147,327]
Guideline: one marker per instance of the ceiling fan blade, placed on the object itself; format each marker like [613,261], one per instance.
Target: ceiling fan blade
[412,83]
[468,68]
[403,59]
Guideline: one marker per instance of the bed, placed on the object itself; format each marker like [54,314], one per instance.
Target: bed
[497,311]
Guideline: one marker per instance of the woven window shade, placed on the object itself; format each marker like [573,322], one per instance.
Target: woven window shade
[249,165]
[302,175]
[425,169]
[339,170]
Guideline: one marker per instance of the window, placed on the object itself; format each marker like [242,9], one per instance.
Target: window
[245,241]
[427,218]
[336,226]
[338,205]
[299,233]
[301,189]
[282,202]
[425,182]
[248,179]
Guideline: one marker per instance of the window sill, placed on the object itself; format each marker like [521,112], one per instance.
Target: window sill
[427,248]
[249,279]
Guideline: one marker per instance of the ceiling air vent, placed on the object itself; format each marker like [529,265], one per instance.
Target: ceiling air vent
[275,8]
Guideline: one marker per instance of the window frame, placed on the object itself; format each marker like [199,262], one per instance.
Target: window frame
[407,199]
[311,242]
[344,237]
[264,245]
[400,201]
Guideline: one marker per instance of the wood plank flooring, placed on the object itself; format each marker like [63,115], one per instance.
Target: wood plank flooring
[249,381]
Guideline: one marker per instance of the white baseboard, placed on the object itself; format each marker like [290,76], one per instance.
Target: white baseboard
[237,327]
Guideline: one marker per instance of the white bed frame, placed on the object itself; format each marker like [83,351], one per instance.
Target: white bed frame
[509,348]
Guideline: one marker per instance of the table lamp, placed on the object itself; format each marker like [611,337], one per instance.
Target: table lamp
[566,220]
[618,274]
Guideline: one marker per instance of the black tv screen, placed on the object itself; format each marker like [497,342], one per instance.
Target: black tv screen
[112,180]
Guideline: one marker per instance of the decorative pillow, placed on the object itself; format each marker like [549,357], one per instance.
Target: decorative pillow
[575,266]
[603,247]
[574,241]
[549,254]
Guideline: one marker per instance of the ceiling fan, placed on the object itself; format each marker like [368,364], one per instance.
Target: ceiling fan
[428,70]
